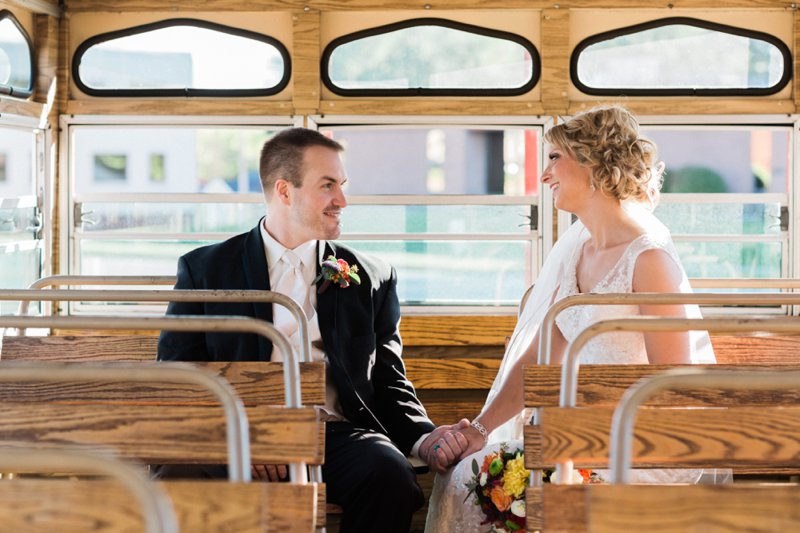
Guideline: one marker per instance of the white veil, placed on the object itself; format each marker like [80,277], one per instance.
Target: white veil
[538,302]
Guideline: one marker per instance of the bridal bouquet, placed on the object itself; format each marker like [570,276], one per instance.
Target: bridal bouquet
[498,486]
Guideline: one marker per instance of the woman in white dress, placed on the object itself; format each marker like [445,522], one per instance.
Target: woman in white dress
[604,172]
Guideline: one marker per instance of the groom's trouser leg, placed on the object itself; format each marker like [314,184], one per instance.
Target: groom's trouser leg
[370,479]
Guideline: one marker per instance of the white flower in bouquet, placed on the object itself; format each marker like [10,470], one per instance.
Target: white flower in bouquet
[518,508]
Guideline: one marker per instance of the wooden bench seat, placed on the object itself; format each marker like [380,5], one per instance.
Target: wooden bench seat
[666,508]
[78,506]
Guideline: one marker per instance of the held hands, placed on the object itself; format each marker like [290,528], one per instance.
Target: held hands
[444,446]
[475,440]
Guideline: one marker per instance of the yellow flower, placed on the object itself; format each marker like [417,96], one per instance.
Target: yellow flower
[515,478]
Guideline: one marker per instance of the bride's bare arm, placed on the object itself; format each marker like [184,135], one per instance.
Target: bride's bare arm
[510,399]
[656,271]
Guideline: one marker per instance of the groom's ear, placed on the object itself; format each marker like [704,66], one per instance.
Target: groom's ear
[281,191]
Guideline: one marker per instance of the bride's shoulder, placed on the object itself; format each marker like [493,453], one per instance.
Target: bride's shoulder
[656,270]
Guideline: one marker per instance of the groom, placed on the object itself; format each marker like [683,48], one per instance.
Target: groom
[374,418]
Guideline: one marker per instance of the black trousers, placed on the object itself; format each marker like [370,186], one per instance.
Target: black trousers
[364,473]
[367,475]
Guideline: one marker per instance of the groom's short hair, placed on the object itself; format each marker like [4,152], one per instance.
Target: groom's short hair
[282,155]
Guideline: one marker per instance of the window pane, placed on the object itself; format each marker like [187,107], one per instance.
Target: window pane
[20,265]
[201,56]
[430,54]
[733,159]
[440,160]
[16,163]
[454,219]
[170,217]
[731,259]
[210,160]
[721,219]
[132,257]
[16,65]
[16,224]
[457,272]
[681,54]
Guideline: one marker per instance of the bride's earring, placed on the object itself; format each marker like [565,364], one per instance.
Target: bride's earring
[592,187]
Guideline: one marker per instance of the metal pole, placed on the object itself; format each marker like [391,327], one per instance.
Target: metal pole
[571,365]
[641,298]
[25,296]
[237,427]
[156,508]
[682,378]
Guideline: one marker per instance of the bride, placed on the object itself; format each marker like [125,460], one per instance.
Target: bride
[604,172]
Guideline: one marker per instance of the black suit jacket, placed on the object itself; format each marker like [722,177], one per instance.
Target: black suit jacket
[359,327]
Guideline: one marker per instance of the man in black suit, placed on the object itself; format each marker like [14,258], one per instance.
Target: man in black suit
[374,419]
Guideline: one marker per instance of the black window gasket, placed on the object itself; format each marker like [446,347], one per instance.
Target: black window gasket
[19,92]
[686,21]
[185,92]
[422,91]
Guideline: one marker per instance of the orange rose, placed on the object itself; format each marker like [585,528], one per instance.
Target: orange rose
[487,461]
[501,499]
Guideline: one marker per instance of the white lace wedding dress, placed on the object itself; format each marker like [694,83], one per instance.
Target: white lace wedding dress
[448,512]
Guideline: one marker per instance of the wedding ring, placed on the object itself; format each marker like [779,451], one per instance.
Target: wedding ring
[436,446]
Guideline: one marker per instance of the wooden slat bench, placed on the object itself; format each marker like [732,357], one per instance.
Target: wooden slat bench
[78,506]
[155,431]
[701,437]
[669,509]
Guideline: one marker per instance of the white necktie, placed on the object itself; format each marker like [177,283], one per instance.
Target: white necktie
[292,284]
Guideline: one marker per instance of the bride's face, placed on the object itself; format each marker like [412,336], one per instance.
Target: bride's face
[568,180]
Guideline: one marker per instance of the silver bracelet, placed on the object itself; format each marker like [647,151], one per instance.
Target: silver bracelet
[482,430]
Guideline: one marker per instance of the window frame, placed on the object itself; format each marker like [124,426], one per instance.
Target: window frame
[540,239]
[69,232]
[9,89]
[38,196]
[790,260]
[185,92]
[788,62]
[421,91]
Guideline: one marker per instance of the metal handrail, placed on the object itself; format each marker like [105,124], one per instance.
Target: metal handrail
[718,283]
[638,298]
[291,369]
[187,323]
[246,296]
[237,426]
[156,508]
[571,364]
[685,378]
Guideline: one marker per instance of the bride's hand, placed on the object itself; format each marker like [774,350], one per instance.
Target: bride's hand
[476,441]
[443,446]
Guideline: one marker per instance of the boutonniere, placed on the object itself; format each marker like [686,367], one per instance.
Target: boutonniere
[337,271]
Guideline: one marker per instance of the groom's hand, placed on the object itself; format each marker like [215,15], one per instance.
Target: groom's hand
[444,446]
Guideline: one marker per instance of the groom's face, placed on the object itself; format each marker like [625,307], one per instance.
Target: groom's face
[316,205]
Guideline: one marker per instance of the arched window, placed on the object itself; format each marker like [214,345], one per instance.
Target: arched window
[16,57]
[430,57]
[681,56]
[181,57]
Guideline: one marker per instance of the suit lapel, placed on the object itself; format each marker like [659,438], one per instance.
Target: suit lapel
[254,264]
[327,303]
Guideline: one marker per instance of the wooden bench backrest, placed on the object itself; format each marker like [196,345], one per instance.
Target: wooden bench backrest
[666,509]
[75,506]
[450,378]
[255,383]
[751,437]
[154,433]
[604,385]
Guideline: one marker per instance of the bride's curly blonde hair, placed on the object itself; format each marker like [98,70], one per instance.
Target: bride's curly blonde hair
[606,140]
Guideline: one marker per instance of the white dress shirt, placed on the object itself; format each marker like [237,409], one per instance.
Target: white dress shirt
[310,257]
